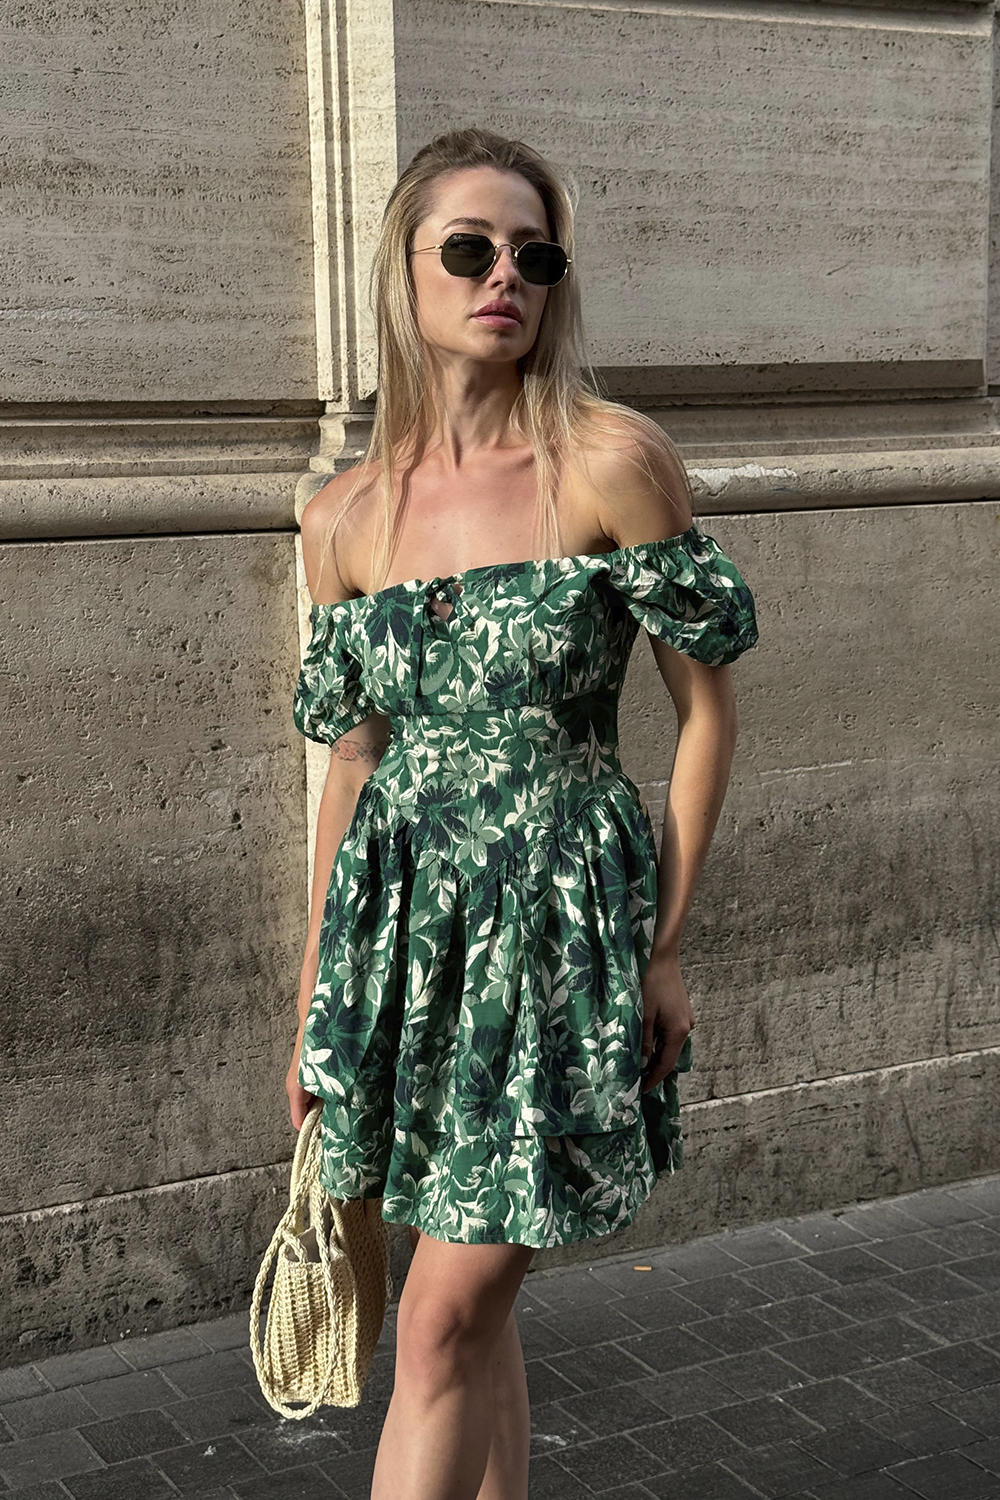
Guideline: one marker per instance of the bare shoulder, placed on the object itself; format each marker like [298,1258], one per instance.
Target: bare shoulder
[330,525]
[633,477]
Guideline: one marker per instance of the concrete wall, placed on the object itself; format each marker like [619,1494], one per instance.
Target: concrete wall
[786,250]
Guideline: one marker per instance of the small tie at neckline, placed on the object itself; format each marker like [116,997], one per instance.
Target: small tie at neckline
[445,590]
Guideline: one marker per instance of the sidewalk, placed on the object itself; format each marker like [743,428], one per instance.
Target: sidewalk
[850,1355]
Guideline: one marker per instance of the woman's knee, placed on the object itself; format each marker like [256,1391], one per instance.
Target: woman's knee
[441,1341]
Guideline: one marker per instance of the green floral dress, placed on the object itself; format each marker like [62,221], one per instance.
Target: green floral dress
[476,1023]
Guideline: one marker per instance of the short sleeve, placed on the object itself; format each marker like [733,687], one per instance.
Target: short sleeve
[686,591]
[329,697]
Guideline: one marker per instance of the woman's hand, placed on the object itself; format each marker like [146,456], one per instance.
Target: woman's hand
[667,1017]
[299,1101]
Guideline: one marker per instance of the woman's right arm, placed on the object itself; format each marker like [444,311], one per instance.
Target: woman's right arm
[352,759]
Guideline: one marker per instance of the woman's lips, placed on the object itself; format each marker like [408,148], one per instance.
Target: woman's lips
[496,320]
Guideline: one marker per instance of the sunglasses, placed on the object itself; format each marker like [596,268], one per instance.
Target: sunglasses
[538,261]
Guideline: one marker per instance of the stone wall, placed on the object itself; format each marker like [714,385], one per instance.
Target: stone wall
[785,249]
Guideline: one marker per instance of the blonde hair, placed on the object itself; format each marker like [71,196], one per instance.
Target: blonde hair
[558,408]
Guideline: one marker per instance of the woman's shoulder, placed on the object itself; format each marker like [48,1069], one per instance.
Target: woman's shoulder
[332,521]
[632,474]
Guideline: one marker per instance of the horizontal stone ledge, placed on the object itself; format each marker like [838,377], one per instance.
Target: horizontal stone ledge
[147,505]
[154,504]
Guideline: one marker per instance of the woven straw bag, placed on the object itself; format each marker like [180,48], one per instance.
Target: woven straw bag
[331,1284]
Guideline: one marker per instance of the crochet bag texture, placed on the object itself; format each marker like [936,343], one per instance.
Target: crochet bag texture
[332,1281]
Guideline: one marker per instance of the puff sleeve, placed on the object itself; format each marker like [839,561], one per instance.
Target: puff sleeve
[330,697]
[686,591]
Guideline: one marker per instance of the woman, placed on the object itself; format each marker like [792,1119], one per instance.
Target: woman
[491,1002]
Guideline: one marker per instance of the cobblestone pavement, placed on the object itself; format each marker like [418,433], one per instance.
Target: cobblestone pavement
[848,1355]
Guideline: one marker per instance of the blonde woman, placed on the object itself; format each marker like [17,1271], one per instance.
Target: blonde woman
[492,1004]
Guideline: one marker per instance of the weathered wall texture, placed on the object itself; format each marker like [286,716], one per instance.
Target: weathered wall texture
[787,255]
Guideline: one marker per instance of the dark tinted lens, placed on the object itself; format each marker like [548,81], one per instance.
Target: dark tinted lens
[542,263]
[467,254]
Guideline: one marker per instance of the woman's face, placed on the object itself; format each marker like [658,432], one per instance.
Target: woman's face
[504,206]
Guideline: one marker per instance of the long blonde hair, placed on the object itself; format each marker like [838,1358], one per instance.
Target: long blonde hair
[559,405]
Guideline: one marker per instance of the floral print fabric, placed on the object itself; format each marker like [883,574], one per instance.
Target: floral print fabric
[476,1023]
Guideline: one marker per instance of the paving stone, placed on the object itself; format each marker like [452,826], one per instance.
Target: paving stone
[134,1436]
[554,1428]
[281,1443]
[849,1264]
[594,1325]
[220,1412]
[161,1348]
[980,1409]
[823,1354]
[694,1262]
[793,1278]
[831,1403]
[304,1483]
[198,1466]
[705,1482]
[140,1391]
[903,1382]
[937,1206]
[545,1383]
[967,1365]
[933,1284]
[868,1299]
[779,1469]
[762,1247]
[626,1492]
[758,1374]
[137,1479]
[619,1409]
[699,1391]
[351,1476]
[571,1291]
[233,1330]
[658,1310]
[81,1366]
[963,1240]
[680,1350]
[967,1318]
[986,1454]
[946,1474]
[54,1411]
[594,1369]
[983,1196]
[19,1382]
[54,1491]
[854,1448]
[685,1442]
[539,1338]
[50,1455]
[984,1270]
[715,1295]
[547,1480]
[801,1317]
[623,1278]
[874,1486]
[607,1461]
[210,1372]
[735,1333]
[767,1419]
[911,1252]
[890,1338]
[881,1221]
[925,1429]
[822,1233]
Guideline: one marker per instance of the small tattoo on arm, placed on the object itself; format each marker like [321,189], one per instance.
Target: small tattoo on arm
[370,751]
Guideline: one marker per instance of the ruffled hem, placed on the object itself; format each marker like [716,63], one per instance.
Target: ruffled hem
[530,1190]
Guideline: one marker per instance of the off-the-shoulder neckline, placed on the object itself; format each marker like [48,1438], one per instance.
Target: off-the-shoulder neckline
[513,567]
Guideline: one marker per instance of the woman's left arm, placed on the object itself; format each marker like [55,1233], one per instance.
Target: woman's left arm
[706,741]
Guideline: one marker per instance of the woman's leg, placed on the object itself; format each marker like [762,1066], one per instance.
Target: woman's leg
[454,1386]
